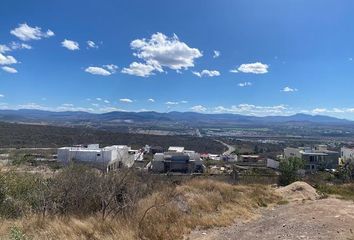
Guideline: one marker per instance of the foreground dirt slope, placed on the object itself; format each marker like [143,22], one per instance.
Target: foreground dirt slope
[329,218]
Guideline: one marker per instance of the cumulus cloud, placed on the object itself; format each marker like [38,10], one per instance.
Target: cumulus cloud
[17,45]
[208,73]
[111,67]
[253,109]
[7,59]
[125,100]
[161,52]
[216,54]
[139,69]
[26,32]
[4,48]
[106,101]
[97,71]
[245,84]
[99,99]
[91,44]
[70,44]
[9,69]
[13,46]
[255,68]
[105,70]
[151,100]
[289,89]
[198,108]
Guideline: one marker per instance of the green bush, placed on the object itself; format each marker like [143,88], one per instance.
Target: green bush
[289,170]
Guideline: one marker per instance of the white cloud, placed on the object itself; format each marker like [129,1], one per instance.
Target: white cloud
[331,111]
[208,73]
[4,48]
[16,45]
[13,46]
[139,69]
[216,54]
[289,89]
[7,60]
[111,67]
[32,106]
[126,100]
[105,70]
[106,101]
[161,51]
[151,100]
[9,69]
[319,110]
[71,45]
[171,103]
[97,71]
[183,101]
[245,84]
[110,109]
[67,104]
[26,33]
[99,99]
[199,108]
[91,44]
[256,68]
[234,70]
[253,109]
[2,95]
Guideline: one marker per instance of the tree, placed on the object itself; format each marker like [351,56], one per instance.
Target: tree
[289,170]
[345,172]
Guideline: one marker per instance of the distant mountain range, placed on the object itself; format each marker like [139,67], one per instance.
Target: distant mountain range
[151,118]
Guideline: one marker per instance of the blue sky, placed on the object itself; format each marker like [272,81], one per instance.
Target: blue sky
[256,57]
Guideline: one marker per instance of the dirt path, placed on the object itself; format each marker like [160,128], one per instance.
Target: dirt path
[320,219]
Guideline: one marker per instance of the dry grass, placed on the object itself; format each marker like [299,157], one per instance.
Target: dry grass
[166,214]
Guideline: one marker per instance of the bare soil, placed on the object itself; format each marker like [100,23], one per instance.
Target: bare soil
[329,218]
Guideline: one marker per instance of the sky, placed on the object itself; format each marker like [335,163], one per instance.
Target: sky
[251,57]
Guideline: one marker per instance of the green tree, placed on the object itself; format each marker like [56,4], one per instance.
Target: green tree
[289,170]
[345,172]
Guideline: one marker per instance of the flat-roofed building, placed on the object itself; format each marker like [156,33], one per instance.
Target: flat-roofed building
[314,158]
[110,157]
[181,162]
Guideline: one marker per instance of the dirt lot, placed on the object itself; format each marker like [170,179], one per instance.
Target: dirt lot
[329,218]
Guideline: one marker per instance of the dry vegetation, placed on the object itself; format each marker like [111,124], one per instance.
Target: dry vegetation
[162,210]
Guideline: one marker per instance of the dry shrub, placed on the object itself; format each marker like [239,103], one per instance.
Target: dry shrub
[167,213]
[200,203]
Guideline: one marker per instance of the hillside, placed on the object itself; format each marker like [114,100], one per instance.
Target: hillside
[189,118]
[25,135]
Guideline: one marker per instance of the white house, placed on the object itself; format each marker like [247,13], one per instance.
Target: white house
[110,157]
[346,155]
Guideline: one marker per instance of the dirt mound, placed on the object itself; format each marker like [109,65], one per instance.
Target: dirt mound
[298,191]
